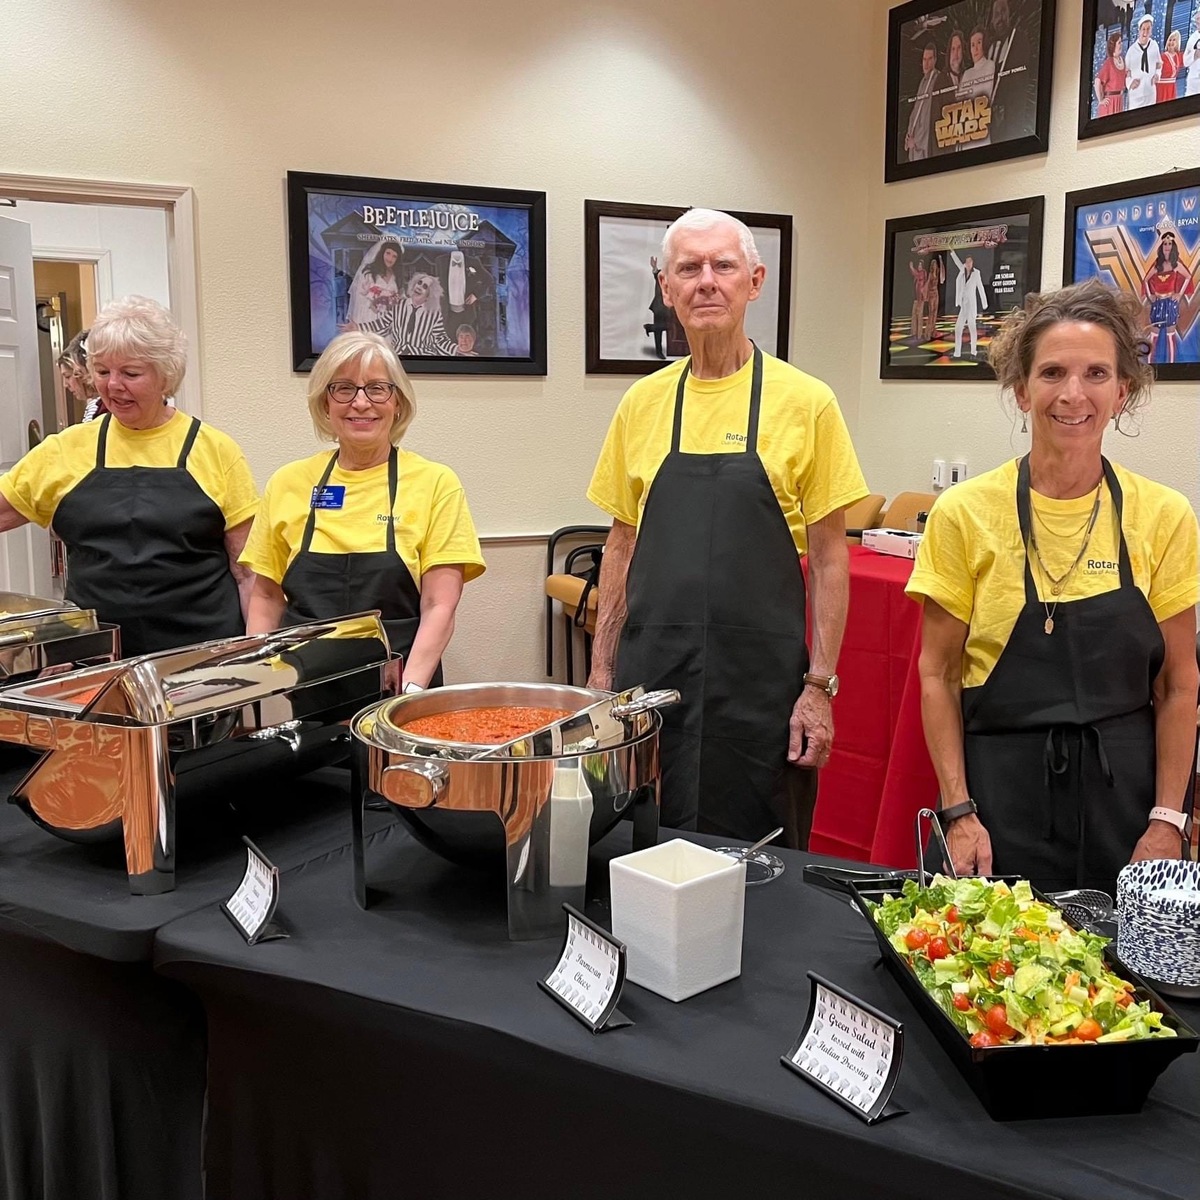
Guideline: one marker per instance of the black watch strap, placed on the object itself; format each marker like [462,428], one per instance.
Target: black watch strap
[965,809]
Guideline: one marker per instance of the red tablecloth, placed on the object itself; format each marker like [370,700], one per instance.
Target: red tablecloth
[879,773]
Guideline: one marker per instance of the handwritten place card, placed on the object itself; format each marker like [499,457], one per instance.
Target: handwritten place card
[589,975]
[253,904]
[849,1050]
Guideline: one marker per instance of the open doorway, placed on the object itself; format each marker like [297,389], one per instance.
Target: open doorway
[67,302]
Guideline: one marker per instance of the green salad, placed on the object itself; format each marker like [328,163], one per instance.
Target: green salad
[1008,969]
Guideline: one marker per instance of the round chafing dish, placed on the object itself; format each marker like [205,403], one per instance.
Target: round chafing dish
[471,805]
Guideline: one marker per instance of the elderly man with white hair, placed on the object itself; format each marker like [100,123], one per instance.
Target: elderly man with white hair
[719,471]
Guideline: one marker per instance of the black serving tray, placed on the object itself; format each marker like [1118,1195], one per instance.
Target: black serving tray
[1020,1082]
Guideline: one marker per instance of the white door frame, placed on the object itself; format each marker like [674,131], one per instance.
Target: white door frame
[100,259]
[182,274]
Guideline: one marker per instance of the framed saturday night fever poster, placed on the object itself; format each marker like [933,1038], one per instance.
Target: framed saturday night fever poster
[453,277]
[1144,237]
[950,278]
[967,83]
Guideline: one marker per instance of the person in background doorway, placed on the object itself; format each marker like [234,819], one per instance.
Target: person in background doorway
[77,378]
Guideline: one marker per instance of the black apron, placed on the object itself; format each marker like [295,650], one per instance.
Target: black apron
[716,609]
[1059,740]
[320,586]
[146,550]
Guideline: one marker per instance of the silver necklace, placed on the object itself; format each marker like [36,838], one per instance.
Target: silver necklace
[1058,584]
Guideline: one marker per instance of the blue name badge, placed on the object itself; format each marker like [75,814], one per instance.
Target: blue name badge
[330,496]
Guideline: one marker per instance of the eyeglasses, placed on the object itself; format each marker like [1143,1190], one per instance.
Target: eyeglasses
[377,392]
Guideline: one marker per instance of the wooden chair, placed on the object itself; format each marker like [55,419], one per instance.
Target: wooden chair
[568,588]
[904,508]
[862,515]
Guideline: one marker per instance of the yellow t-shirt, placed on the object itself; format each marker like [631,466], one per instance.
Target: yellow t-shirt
[37,484]
[432,522]
[802,440]
[972,563]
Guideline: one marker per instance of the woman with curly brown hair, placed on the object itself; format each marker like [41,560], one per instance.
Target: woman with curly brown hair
[1058,661]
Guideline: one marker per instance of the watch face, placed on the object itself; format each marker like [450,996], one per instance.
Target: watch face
[834,684]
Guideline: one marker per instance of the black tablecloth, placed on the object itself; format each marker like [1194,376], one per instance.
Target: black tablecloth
[102,1062]
[406,1051]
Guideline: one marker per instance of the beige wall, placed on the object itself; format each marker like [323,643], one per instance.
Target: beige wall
[650,101]
[904,424]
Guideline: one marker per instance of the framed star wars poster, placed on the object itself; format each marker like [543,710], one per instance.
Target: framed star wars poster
[1143,237]
[629,329]
[453,277]
[1139,64]
[950,279]
[967,83]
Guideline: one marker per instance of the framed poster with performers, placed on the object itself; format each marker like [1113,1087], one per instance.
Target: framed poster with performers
[949,279]
[1139,63]
[453,277]
[967,83]
[1143,237]
[629,329]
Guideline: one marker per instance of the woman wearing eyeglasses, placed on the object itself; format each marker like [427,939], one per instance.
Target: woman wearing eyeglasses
[368,526]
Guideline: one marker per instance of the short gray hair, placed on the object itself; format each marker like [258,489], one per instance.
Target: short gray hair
[711,218]
[346,351]
[139,328]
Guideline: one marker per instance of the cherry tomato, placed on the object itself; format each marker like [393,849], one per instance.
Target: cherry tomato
[1088,1030]
[915,938]
[999,969]
[952,915]
[983,1039]
[938,948]
[961,1002]
[997,1021]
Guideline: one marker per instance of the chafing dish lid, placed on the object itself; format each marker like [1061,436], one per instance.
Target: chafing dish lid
[207,678]
[38,617]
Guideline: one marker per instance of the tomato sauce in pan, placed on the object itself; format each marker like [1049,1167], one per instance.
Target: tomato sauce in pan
[484,726]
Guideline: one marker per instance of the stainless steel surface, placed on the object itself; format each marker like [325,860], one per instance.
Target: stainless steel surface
[534,817]
[115,736]
[940,837]
[1084,906]
[39,634]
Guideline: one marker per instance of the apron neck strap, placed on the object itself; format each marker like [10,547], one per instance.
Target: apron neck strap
[188,442]
[1024,515]
[311,524]
[756,377]
[102,444]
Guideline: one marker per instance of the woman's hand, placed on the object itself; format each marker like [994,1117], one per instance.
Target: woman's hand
[348,327]
[970,846]
[1159,841]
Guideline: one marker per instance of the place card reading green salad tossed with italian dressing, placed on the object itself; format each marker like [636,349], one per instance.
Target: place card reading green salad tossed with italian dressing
[1008,969]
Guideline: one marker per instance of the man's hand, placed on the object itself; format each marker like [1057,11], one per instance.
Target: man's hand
[970,846]
[812,719]
[1159,841]
[600,678]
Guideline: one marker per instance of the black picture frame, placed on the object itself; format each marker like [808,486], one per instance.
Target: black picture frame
[495,288]
[1097,117]
[1114,232]
[1006,238]
[620,287]
[1017,108]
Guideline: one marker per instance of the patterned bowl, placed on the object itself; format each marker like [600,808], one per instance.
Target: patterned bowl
[1158,907]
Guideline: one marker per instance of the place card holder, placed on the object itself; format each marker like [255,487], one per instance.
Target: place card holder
[850,1051]
[252,906]
[589,975]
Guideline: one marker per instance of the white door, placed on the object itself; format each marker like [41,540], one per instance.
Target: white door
[24,552]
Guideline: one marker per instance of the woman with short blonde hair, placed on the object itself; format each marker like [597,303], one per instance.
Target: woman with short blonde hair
[330,538]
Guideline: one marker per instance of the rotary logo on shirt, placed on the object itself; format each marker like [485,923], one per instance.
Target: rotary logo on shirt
[735,437]
[1100,566]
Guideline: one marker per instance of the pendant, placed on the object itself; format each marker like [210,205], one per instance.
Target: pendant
[1056,589]
[1049,625]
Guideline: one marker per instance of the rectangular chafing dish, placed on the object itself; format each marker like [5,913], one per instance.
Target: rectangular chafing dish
[37,634]
[115,738]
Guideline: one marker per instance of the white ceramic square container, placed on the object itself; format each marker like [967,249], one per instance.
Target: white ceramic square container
[679,910]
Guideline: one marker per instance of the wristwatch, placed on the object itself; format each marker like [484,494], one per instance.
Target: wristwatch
[827,683]
[966,809]
[1173,816]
